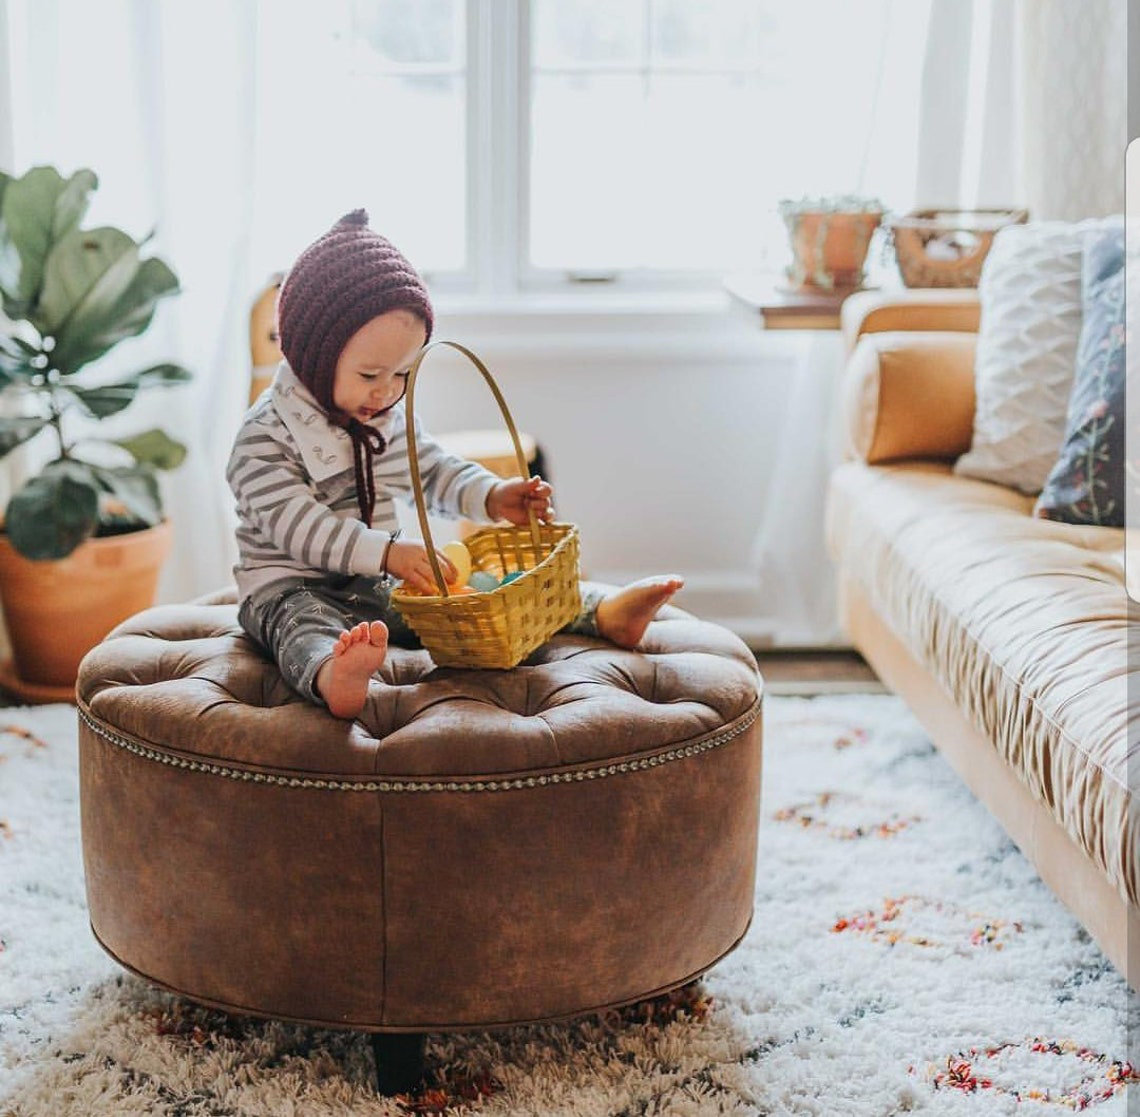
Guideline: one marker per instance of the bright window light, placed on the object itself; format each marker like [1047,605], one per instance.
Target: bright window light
[502,144]
[663,132]
[364,104]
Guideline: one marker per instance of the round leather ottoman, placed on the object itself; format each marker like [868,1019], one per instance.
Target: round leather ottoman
[478,849]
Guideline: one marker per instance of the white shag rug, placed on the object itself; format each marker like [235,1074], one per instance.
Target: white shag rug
[904,958]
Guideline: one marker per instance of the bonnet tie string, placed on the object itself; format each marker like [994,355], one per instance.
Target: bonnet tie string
[367,442]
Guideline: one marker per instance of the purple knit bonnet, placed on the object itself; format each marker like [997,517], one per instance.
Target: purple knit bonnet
[342,281]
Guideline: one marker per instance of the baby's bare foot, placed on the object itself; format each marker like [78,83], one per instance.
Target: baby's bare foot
[624,615]
[342,680]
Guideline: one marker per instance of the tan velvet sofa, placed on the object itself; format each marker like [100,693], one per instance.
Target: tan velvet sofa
[1006,635]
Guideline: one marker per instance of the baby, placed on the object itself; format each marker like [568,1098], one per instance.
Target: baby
[319,458]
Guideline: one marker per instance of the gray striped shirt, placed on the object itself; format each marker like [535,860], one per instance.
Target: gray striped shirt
[292,475]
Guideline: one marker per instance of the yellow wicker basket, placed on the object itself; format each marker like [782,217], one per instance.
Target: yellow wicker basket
[501,627]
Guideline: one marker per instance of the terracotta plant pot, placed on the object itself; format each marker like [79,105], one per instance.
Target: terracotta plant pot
[829,248]
[56,611]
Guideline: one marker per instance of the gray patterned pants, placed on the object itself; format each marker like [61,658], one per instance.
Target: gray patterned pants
[298,620]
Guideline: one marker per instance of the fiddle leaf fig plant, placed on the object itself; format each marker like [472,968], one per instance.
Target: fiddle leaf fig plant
[70,295]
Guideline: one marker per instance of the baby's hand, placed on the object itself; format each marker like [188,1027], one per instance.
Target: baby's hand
[510,500]
[409,561]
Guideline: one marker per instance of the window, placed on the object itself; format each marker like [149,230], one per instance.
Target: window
[364,103]
[508,145]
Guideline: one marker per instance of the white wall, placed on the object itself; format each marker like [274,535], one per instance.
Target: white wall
[659,427]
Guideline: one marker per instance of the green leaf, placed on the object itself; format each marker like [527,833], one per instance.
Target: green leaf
[161,375]
[36,210]
[9,254]
[16,359]
[84,275]
[9,264]
[26,347]
[54,512]
[79,343]
[107,399]
[72,202]
[156,448]
[16,431]
[27,214]
[132,497]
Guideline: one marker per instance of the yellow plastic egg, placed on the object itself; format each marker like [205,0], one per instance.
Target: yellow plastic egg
[459,557]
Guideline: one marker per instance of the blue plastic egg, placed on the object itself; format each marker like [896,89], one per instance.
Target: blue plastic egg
[508,578]
[483,582]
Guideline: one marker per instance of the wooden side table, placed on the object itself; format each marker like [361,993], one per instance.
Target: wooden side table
[780,309]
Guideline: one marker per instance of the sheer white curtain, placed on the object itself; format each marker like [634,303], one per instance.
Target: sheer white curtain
[157,99]
[1024,102]
[1020,102]
[1075,80]
[796,581]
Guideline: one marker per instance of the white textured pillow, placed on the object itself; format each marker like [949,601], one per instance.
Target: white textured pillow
[1030,294]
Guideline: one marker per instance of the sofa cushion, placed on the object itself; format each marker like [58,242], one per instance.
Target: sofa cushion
[1030,292]
[1023,621]
[910,395]
[1086,485]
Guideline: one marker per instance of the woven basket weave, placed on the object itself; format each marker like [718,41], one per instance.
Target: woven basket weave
[501,627]
[915,234]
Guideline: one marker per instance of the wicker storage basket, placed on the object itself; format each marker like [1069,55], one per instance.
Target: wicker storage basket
[501,627]
[946,248]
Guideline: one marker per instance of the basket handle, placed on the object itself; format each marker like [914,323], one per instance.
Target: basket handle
[414,461]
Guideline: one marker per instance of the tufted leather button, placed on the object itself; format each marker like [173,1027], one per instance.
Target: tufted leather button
[575,700]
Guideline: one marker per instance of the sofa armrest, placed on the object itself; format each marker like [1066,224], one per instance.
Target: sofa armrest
[909,395]
[933,308]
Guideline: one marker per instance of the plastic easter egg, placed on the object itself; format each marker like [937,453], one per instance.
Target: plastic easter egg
[483,582]
[508,578]
[459,557]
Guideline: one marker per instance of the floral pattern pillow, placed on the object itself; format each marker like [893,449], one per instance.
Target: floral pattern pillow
[1086,486]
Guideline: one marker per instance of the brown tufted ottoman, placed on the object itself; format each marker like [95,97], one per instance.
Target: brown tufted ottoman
[478,849]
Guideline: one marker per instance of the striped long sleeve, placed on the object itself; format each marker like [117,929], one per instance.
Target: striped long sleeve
[291,524]
[285,528]
[452,486]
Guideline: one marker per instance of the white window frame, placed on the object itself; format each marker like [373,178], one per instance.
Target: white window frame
[498,195]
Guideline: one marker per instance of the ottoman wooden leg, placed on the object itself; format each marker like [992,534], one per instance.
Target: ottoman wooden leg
[399,1060]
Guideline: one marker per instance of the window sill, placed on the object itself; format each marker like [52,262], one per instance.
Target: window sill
[591,303]
[628,327]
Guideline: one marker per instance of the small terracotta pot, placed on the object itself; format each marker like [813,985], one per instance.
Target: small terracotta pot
[829,249]
[57,610]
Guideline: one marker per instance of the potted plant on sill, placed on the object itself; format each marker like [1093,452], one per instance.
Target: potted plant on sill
[84,538]
[829,239]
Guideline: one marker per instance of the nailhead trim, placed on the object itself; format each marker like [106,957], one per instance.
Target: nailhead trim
[245,776]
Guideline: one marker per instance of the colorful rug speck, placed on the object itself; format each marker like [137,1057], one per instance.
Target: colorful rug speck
[904,958]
